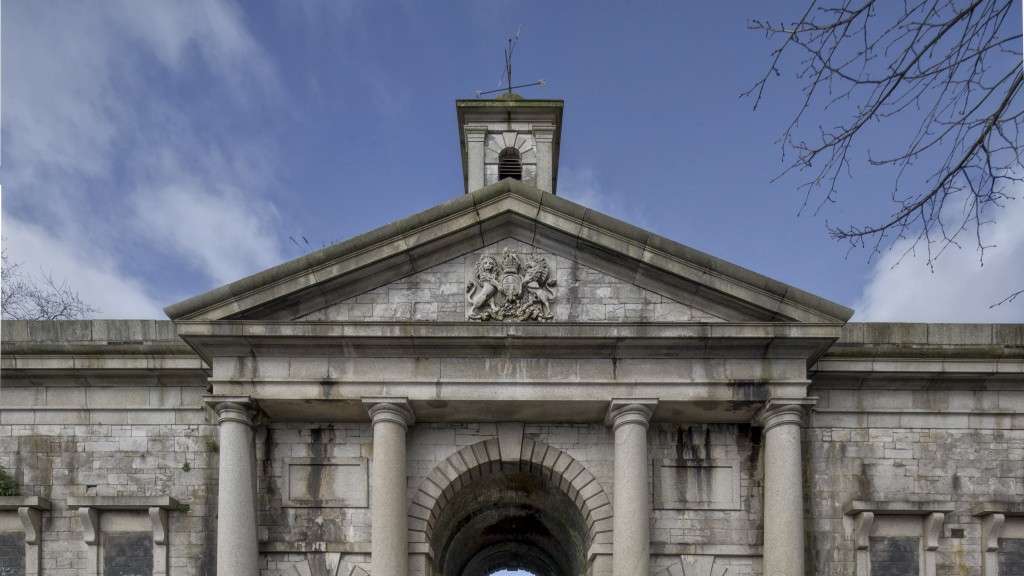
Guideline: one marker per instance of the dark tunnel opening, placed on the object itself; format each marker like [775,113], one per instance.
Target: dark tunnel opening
[510,519]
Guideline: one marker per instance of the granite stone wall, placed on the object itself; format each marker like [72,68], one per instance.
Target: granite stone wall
[919,445]
[157,448]
[109,408]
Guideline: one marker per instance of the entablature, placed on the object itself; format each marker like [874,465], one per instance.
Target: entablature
[499,371]
[459,339]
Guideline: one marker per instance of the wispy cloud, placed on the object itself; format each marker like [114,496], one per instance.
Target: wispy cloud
[94,275]
[220,231]
[583,186]
[101,161]
[960,289]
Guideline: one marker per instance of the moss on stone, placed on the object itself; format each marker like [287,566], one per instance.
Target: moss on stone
[8,487]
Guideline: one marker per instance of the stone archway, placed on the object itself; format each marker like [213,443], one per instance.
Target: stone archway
[510,502]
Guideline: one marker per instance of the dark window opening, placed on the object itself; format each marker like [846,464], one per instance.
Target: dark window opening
[509,164]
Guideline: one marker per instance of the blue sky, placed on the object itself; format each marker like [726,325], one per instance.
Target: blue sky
[154,150]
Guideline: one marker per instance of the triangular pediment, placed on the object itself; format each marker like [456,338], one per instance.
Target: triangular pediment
[568,264]
[454,291]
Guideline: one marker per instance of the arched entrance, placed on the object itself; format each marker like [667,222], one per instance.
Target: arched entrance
[514,504]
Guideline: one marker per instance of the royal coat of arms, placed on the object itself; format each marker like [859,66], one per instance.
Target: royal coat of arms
[510,290]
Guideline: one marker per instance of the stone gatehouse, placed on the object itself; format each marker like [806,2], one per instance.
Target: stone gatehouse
[511,380]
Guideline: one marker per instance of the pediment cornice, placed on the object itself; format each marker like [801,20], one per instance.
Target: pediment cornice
[508,209]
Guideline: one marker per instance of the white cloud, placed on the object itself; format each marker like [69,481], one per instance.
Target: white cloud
[959,290]
[87,137]
[581,185]
[95,276]
[66,97]
[215,29]
[220,231]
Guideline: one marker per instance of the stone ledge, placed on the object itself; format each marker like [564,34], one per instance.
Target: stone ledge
[670,549]
[406,330]
[1004,508]
[899,507]
[123,502]
[950,362]
[921,336]
[38,357]
[8,503]
[112,332]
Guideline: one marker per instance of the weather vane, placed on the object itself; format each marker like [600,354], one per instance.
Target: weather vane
[507,76]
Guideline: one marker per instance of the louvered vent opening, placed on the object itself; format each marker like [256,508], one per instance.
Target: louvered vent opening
[509,164]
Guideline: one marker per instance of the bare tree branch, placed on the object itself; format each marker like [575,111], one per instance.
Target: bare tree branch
[951,69]
[23,297]
[1009,299]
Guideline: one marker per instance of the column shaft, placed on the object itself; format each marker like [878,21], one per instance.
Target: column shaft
[783,491]
[389,549]
[237,540]
[631,523]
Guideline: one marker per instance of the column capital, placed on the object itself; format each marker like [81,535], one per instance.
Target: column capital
[475,132]
[779,411]
[543,132]
[395,410]
[630,411]
[239,409]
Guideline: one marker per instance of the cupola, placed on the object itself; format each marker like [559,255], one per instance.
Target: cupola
[510,137]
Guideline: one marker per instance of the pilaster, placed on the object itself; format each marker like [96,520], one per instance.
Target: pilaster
[475,136]
[544,136]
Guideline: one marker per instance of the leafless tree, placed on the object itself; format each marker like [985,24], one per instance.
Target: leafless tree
[23,297]
[949,69]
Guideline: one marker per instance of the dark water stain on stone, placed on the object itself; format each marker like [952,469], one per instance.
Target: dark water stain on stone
[208,557]
[864,482]
[317,564]
[314,482]
[267,467]
[319,448]
[750,391]
[753,436]
[326,387]
[693,450]
[572,293]
[270,512]
[681,443]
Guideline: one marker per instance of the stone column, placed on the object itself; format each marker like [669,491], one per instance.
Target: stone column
[237,541]
[783,488]
[544,136]
[475,136]
[631,523]
[389,514]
